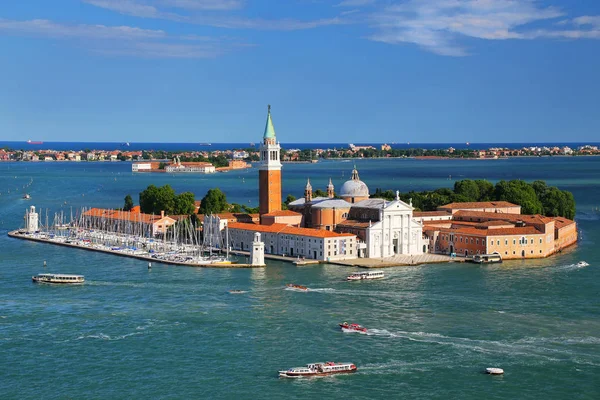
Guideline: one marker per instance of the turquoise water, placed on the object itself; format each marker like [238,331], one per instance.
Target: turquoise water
[176,333]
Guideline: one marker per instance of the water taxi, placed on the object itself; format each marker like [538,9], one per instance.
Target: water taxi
[59,279]
[318,369]
[487,258]
[352,327]
[298,287]
[359,276]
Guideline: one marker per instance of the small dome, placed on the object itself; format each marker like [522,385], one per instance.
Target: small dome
[354,188]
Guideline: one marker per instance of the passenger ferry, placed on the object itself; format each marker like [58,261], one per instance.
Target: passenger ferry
[487,258]
[59,279]
[359,276]
[318,369]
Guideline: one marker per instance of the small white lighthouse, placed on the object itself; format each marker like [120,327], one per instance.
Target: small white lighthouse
[257,252]
[31,220]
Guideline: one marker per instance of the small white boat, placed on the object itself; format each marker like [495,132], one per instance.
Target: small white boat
[59,279]
[26,196]
[318,369]
[582,264]
[359,276]
[494,371]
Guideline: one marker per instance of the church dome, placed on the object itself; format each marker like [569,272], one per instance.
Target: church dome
[354,187]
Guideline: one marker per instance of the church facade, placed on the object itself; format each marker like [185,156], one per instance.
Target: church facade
[384,228]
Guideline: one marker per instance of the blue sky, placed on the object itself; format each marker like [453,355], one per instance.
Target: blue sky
[333,70]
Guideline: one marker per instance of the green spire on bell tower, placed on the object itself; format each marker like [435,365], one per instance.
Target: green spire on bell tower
[269,129]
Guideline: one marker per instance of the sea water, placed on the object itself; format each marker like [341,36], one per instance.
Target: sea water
[177,333]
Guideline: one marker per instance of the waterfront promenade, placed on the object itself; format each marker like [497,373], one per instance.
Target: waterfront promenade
[399,260]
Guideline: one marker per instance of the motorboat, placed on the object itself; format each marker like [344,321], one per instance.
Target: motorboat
[297,287]
[26,196]
[59,279]
[236,291]
[318,369]
[359,276]
[582,264]
[487,258]
[494,371]
[352,327]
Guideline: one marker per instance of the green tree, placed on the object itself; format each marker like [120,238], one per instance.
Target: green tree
[486,190]
[289,199]
[213,202]
[519,192]
[380,194]
[251,210]
[153,200]
[128,203]
[468,189]
[319,193]
[185,203]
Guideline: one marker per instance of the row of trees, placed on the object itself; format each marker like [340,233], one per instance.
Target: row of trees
[154,199]
[534,198]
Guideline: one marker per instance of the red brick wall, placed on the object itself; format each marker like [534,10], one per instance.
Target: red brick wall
[269,188]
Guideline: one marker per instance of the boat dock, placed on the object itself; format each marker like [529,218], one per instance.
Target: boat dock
[124,253]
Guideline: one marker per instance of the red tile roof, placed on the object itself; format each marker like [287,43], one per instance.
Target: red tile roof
[526,230]
[536,218]
[351,223]
[282,213]
[289,230]
[124,215]
[440,213]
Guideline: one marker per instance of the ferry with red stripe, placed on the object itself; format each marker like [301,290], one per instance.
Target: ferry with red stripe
[319,369]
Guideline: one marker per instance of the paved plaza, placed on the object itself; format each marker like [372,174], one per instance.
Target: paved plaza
[399,260]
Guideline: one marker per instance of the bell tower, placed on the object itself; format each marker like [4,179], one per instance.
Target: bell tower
[269,174]
[330,190]
[308,192]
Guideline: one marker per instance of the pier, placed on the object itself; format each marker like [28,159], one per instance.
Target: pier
[146,256]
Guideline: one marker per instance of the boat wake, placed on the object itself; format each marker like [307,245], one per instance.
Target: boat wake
[549,349]
[293,289]
[103,336]
[354,331]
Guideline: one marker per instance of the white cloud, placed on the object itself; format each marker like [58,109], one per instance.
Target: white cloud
[203,4]
[439,25]
[44,27]
[123,40]
[354,3]
[143,9]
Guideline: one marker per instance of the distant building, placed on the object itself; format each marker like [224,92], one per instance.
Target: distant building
[199,167]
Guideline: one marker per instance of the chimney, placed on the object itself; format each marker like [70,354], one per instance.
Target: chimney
[162,214]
